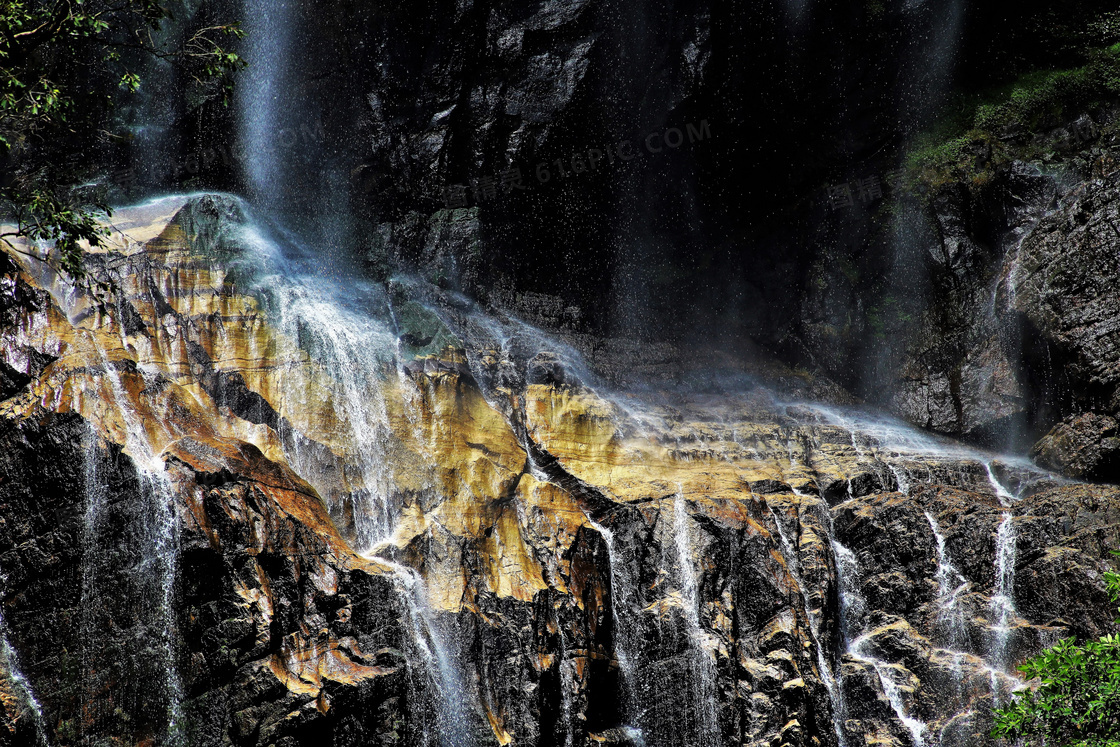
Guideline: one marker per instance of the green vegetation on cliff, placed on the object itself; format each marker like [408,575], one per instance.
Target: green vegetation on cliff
[1077,702]
[986,129]
[61,64]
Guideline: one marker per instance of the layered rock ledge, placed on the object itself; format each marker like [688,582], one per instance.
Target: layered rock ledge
[240,510]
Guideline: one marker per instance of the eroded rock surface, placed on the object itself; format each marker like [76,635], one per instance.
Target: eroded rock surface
[241,510]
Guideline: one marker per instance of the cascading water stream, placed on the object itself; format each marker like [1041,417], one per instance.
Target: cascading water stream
[160,532]
[703,687]
[950,586]
[898,440]
[263,99]
[1003,599]
[567,687]
[451,725]
[623,638]
[360,354]
[856,640]
[950,617]
[156,533]
[832,685]
[9,663]
[357,351]
[853,606]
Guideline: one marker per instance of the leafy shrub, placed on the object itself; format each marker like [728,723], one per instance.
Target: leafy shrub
[968,143]
[1077,703]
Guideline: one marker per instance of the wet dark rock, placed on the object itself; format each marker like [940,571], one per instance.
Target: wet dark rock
[576,594]
[1083,446]
[21,364]
[11,381]
[102,649]
[1059,289]
[548,369]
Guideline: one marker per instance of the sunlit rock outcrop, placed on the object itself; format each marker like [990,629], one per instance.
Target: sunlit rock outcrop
[245,506]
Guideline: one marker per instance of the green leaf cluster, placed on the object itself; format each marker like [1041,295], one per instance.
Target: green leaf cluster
[1077,700]
[63,64]
[978,132]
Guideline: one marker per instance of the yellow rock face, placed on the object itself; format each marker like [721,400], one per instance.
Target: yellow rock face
[192,363]
[143,368]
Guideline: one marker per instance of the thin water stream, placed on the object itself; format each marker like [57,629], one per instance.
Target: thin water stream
[703,688]
[9,665]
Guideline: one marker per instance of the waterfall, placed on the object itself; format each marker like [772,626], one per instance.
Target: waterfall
[627,659]
[451,726]
[832,685]
[852,610]
[1003,494]
[1003,600]
[708,633]
[337,326]
[9,662]
[950,585]
[344,334]
[1003,596]
[292,169]
[567,687]
[950,618]
[158,535]
[265,96]
[935,33]
[703,687]
[331,339]
[152,536]
[333,324]
[901,478]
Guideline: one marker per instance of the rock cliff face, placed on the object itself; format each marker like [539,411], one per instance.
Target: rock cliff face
[1060,286]
[475,145]
[983,310]
[244,506]
[515,112]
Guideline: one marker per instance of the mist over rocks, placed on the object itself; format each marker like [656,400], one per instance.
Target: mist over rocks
[377,437]
[724,249]
[534,559]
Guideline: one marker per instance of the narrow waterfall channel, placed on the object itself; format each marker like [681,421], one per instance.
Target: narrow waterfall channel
[448,726]
[853,608]
[339,328]
[634,695]
[265,102]
[826,662]
[1003,600]
[9,660]
[703,688]
[950,586]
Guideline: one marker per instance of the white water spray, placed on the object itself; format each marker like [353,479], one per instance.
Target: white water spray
[450,727]
[703,688]
[852,609]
